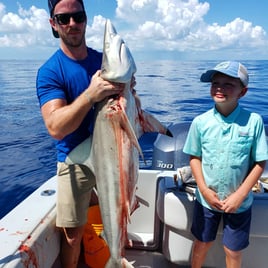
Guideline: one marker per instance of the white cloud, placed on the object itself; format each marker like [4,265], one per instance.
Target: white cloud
[237,33]
[179,25]
[157,25]
[26,28]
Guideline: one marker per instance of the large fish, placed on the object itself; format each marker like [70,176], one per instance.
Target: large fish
[114,149]
[121,120]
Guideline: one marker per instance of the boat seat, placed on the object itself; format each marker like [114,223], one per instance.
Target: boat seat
[143,230]
[175,209]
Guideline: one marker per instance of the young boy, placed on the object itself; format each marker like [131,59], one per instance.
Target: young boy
[228,151]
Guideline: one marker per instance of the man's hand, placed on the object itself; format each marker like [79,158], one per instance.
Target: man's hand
[100,88]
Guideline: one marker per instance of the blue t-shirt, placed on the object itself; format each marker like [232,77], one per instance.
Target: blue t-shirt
[229,147]
[64,78]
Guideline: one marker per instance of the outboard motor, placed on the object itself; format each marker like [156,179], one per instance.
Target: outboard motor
[167,151]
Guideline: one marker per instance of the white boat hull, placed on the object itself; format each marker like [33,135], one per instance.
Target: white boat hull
[160,228]
[28,235]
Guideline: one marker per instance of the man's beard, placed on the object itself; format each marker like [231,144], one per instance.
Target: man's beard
[73,42]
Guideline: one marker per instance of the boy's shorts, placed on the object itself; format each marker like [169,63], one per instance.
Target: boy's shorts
[75,183]
[236,226]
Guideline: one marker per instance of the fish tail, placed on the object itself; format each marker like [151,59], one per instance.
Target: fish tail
[118,263]
[126,263]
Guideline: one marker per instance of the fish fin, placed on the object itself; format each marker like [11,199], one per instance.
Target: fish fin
[150,124]
[81,154]
[126,125]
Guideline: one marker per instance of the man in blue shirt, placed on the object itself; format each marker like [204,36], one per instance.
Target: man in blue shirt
[68,85]
[228,151]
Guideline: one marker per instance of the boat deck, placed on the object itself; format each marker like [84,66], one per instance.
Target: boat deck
[142,258]
[159,229]
[139,259]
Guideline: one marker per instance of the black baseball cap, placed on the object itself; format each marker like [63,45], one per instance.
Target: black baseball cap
[51,7]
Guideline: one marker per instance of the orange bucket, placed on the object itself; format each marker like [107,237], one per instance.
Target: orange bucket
[96,251]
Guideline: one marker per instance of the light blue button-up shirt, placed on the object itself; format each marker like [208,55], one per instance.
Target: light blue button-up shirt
[229,147]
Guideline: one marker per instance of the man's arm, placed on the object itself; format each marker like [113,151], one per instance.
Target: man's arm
[62,119]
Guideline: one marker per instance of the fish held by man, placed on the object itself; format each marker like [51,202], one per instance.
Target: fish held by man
[113,152]
[120,122]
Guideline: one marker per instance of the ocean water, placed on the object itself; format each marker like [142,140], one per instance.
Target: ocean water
[170,90]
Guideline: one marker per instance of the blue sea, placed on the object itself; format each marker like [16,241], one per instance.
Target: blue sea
[170,90]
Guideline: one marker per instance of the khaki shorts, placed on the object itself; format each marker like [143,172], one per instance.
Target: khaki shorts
[75,183]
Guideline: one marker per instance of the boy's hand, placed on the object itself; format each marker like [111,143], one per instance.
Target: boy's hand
[213,199]
[232,203]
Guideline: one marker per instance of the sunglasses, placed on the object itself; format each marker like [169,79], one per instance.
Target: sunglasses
[64,18]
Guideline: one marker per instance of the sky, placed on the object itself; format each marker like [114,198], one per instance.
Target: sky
[152,29]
